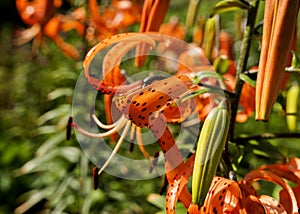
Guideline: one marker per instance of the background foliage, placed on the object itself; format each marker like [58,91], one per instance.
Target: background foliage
[41,172]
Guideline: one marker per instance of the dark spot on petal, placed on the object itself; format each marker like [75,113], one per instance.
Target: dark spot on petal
[215,210]
[145,103]
[144,109]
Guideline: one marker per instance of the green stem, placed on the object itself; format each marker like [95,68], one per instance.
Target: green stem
[241,67]
[191,12]
[242,63]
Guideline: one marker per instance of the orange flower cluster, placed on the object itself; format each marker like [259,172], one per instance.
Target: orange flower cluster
[94,24]
[155,103]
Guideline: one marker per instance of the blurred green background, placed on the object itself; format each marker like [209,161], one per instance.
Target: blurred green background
[41,172]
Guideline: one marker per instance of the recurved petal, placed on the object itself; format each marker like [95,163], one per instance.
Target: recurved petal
[259,174]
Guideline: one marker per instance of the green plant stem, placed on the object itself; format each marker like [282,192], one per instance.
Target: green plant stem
[242,63]
[241,67]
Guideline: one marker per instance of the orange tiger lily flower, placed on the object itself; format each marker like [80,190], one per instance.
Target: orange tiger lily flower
[61,23]
[279,24]
[228,196]
[142,106]
[117,17]
[41,16]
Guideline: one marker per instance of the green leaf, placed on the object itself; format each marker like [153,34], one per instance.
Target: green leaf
[34,197]
[60,92]
[207,74]
[230,5]
[51,143]
[62,110]
[248,80]
[296,60]
[196,93]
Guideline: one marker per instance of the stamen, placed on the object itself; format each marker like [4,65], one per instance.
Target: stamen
[140,143]
[143,150]
[132,132]
[105,126]
[117,147]
[69,128]
[95,177]
[118,126]
[132,137]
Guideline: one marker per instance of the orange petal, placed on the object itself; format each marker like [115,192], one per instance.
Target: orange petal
[223,197]
[153,15]
[271,206]
[173,193]
[251,204]
[269,176]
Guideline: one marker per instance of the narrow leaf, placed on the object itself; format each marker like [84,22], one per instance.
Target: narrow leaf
[248,80]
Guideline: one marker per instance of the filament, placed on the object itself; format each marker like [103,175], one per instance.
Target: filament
[105,126]
[117,147]
[119,125]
